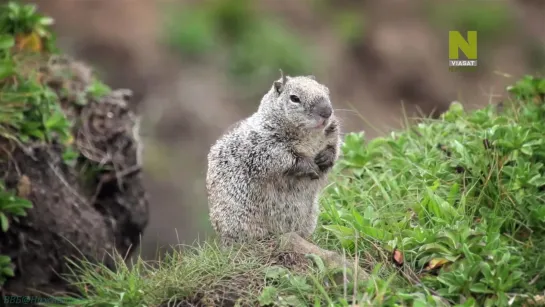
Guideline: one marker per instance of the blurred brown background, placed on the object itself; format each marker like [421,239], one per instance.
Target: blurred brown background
[198,66]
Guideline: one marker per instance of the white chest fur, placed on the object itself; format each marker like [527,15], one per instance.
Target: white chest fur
[311,144]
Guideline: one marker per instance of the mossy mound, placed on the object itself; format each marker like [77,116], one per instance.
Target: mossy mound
[69,160]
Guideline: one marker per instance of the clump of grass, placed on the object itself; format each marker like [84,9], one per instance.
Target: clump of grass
[252,275]
[201,273]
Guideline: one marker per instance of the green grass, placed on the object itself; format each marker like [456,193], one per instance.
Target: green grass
[459,201]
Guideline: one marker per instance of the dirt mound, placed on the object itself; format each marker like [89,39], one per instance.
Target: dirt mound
[85,208]
[240,288]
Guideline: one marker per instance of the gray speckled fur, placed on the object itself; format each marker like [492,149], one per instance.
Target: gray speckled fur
[253,187]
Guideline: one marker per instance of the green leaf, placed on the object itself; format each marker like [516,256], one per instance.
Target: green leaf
[98,89]
[55,120]
[344,234]
[358,218]
[292,300]
[4,223]
[8,272]
[480,288]
[470,302]
[6,41]
[318,261]
[449,280]
[377,233]
[4,260]
[436,248]
[300,283]
[275,272]
[268,296]
[46,21]
[7,69]
[420,303]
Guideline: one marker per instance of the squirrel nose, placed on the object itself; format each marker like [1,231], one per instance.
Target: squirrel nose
[324,111]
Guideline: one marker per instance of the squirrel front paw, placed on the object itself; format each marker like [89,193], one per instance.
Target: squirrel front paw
[325,158]
[312,175]
[304,168]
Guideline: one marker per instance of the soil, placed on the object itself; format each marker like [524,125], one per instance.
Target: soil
[77,214]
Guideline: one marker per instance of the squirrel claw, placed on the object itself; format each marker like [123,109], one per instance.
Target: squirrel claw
[312,175]
[325,158]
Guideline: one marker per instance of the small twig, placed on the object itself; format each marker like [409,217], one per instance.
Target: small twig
[356,267]
[416,281]
[92,153]
[137,139]
[63,181]
[97,191]
[118,175]
[536,278]
[126,172]
[345,285]
[12,160]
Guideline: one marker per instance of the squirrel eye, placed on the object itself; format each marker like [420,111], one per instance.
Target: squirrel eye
[294,98]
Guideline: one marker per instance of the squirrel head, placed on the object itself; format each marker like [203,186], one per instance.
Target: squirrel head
[301,100]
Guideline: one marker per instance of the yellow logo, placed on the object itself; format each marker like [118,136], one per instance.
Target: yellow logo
[457,43]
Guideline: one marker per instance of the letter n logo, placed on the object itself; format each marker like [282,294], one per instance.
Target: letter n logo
[456,43]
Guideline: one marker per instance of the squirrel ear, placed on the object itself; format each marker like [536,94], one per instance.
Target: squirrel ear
[278,86]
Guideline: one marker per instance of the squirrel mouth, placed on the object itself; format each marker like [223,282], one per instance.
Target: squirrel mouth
[321,123]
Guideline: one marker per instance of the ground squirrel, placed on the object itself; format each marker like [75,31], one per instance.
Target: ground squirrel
[265,174]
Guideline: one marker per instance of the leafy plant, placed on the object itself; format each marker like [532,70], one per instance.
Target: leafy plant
[6,269]
[97,89]
[23,19]
[10,205]
[29,110]
[461,198]
[29,28]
